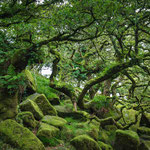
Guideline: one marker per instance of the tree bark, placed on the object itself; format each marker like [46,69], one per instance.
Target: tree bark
[8,104]
[107,85]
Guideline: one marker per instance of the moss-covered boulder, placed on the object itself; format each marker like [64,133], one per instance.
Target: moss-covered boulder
[67,134]
[31,106]
[46,132]
[93,129]
[8,104]
[31,84]
[54,121]
[18,136]
[143,130]
[54,99]
[104,136]
[84,142]
[65,110]
[86,128]
[110,127]
[104,146]
[43,103]
[27,119]
[126,140]
[145,120]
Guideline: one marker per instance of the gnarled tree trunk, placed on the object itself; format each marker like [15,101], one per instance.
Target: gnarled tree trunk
[8,104]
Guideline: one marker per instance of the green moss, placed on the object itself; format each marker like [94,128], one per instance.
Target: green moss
[94,133]
[104,146]
[54,100]
[110,127]
[67,134]
[49,142]
[27,119]
[43,104]
[31,106]
[8,105]
[65,110]
[44,88]
[103,136]
[6,146]
[94,124]
[84,142]
[126,138]
[47,130]
[54,120]
[18,136]
[46,133]
[106,136]
[75,127]
[31,80]
[143,130]
[68,101]
[129,116]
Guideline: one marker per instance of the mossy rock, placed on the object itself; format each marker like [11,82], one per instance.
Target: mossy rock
[145,120]
[54,100]
[94,124]
[110,127]
[31,84]
[104,146]
[75,127]
[27,119]
[6,146]
[92,129]
[67,101]
[90,132]
[143,130]
[43,103]
[129,116]
[31,106]
[84,142]
[145,145]
[65,110]
[54,121]
[126,140]
[94,133]
[46,132]
[104,136]
[18,136]
[67,134]
[8,105]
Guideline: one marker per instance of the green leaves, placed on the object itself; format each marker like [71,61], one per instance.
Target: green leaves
[101,101]
[11,82]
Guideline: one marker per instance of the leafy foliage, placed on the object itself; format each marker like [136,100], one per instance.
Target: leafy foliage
[43,87]
[101,101]
[12,83]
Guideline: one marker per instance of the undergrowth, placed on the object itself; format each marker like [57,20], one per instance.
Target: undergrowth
[44,88]
[5,146]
